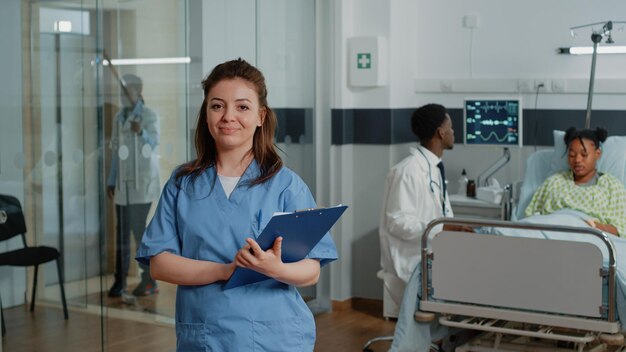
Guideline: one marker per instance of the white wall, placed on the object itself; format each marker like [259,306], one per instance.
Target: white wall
[520,45]
[427,41]
[513,39]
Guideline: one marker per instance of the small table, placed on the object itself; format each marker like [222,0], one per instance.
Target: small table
[467,207]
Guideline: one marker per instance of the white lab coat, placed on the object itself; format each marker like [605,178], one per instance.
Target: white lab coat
[409,204]
[135,161]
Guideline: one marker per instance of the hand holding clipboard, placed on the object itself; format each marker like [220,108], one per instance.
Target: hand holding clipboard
[300,230]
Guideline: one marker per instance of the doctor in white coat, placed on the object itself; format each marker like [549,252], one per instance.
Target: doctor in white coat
[415,194]
[133,181]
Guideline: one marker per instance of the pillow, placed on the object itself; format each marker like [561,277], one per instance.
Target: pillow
[538,168]
[559,157]
[613,160]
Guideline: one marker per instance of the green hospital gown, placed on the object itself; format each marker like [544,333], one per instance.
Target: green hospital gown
[605,201]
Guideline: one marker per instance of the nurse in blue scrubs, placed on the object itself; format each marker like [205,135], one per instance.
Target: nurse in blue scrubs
[209,214]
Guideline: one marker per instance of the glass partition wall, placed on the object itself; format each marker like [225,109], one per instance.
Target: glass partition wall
[87,74]
[286,55]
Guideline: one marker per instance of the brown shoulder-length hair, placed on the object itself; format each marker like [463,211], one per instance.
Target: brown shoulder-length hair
[263,148]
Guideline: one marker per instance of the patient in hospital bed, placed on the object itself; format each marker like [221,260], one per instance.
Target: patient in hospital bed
[583,188]
[579,183]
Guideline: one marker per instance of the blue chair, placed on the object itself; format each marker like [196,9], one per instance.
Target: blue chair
[12,224]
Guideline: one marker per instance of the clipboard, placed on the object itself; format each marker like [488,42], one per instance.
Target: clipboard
[301,231]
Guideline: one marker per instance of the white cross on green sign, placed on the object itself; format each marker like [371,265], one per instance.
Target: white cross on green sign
[364,60]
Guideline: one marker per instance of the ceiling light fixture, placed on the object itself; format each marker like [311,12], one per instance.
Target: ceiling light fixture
[149,61]
[63,26]
[588,50]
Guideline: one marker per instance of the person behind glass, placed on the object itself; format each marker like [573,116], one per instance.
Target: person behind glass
[601,196]
[133,180]
[415,194]
[210,212]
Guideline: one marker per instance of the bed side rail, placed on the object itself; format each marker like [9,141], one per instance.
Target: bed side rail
[611,316]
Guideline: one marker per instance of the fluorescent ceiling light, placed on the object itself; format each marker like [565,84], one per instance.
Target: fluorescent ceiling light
[62,21]
[588,50]
[63,26]
[151,61]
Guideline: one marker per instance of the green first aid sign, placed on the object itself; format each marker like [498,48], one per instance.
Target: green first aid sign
[364,60]
[367,61]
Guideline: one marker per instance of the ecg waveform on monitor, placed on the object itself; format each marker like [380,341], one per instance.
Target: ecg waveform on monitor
[492,121]
[510,108]
[509,137]
[489,122]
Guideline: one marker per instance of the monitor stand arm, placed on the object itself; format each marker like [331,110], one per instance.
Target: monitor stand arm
[484,176]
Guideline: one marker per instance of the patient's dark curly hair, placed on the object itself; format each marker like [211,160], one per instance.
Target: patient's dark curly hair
[426,119]
[597,136]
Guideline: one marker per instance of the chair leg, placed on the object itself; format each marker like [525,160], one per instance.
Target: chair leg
[32,300]
[4,328]
[62,289]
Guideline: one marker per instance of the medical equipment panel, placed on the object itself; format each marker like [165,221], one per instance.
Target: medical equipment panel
[492,121]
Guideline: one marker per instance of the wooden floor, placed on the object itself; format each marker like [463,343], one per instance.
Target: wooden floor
[163,303]
[45,330]
[350,329]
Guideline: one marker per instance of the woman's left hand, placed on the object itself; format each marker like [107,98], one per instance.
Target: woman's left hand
[268,262]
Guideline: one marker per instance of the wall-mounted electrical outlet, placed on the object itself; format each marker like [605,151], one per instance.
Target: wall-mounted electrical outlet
[446,85]
[541,85]
[524,85]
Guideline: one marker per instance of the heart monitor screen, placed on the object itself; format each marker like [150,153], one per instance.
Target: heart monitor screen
[492,122]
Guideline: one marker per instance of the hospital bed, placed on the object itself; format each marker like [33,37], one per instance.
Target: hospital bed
[520,289]
[518,292]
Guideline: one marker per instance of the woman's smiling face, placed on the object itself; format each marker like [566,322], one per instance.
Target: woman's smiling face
[233,114]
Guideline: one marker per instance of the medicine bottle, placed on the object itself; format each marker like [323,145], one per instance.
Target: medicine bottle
[463,183]
[471,188]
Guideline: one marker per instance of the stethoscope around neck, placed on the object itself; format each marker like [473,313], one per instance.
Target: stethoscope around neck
[431,181]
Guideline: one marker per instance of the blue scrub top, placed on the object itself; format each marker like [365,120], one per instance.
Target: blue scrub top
[195,219]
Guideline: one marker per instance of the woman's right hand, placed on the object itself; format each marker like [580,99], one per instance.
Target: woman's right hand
[268,262]
[602,227]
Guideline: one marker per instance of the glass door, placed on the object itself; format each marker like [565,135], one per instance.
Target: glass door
[144,68]
[61,119]
[103,109]
[107,124]
[286,54]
